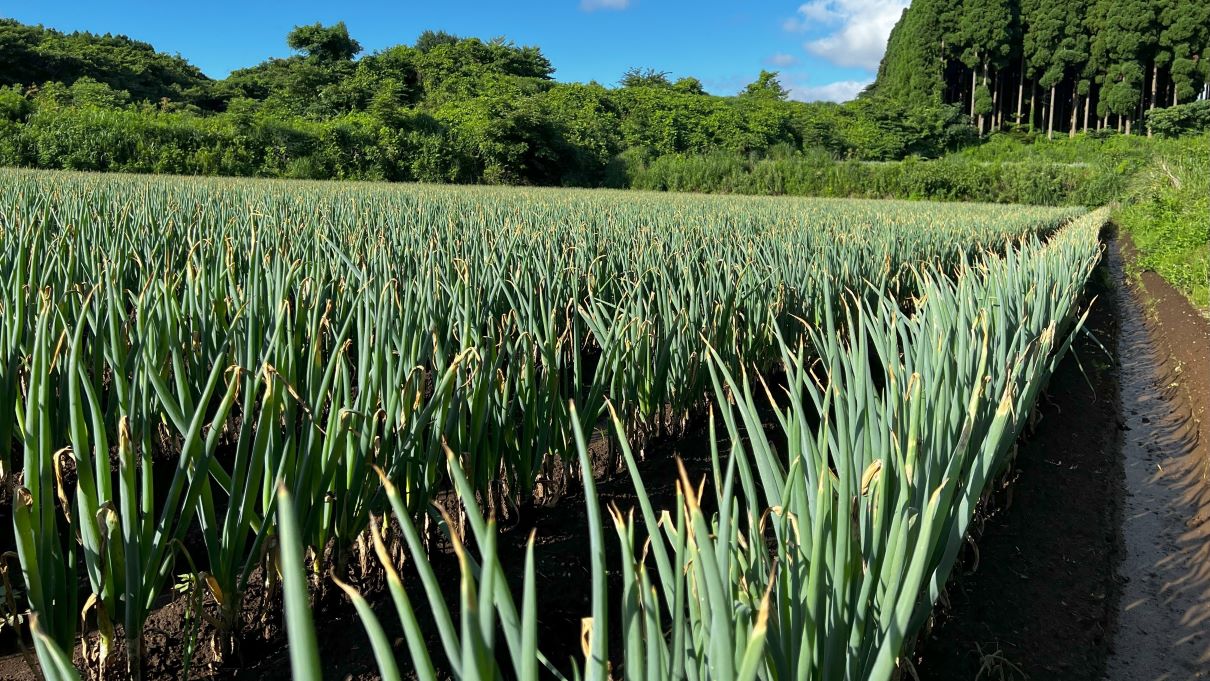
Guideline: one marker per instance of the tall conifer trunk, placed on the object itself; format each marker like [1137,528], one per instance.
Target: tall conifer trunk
[996,102]
[1155,82]
[1050,116]
[1033,99]
[1155,78]
[974,87]
[1020,89]
[984,85]
[1075,109]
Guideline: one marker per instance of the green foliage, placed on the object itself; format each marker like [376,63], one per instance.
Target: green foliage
[767,86]
[909,68]
[639,77]
[690,85]
[985,32]
[430,39]
[1167,212]
[324,43]
[1161,184]
[15,107]
[588,120]
[297,86]
[87,92]
[246,142]
[1030,63]
[1181,119]
[506,138]
[948,179]
[448,109]
[1130,152]
[34,55]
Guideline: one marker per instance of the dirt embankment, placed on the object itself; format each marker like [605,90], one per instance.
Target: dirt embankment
[1163,631]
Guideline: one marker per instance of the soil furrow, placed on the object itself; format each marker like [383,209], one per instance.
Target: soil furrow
[1163,631]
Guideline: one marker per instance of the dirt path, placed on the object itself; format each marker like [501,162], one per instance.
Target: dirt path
[1163,631]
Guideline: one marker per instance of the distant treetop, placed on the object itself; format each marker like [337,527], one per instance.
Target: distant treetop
[324,43]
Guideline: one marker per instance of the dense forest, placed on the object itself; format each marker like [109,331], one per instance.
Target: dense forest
[1079,65]
[445,109]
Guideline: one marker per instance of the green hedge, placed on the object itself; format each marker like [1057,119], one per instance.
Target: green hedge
[948,179]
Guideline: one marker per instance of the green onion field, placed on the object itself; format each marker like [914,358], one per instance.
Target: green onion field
[281,388]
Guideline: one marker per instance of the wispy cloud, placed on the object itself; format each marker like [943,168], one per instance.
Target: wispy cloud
[839,91]
[793,25]
[853,33]
[594,5]
[782,60]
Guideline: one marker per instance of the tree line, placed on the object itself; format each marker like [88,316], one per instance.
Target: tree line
[443,109]
[1072,66]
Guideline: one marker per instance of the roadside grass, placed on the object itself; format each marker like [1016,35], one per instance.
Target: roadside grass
[1167,213]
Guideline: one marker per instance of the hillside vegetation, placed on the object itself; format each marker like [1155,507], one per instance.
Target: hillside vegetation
[444,109]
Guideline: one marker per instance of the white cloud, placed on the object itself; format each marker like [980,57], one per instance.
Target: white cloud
[823,11]
[782,59]
[594,5]
[839,91]
[856,31]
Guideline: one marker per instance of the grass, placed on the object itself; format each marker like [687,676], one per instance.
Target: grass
[1167,213]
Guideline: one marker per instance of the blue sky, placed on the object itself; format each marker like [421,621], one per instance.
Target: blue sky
[824,49]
